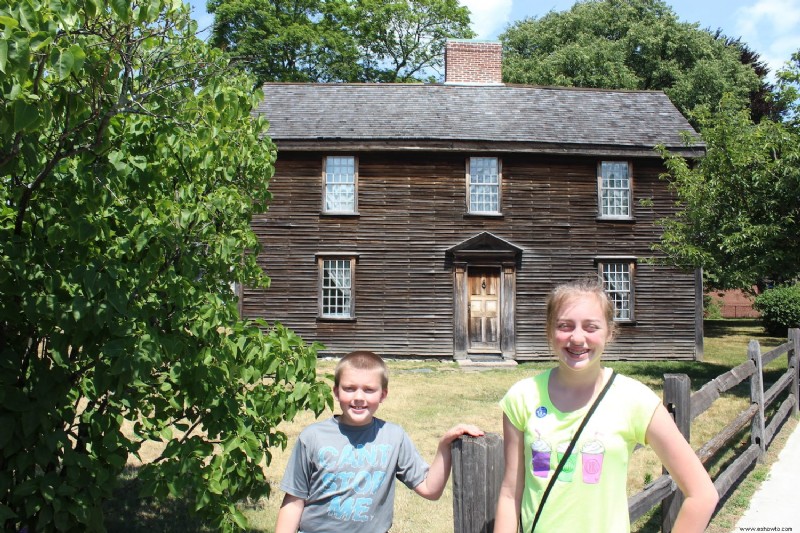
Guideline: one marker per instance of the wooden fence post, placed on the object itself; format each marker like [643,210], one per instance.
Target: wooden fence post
[757,397]
[477,474]
[677,400]
[794,366]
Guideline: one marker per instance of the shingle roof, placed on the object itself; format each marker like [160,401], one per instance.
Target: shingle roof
[525,117]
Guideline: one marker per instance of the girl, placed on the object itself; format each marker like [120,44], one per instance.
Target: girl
[542,415]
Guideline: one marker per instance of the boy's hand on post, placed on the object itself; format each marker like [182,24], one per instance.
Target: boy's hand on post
[438,474]
[461,429]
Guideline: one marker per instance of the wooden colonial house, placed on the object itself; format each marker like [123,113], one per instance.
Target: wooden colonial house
[431,220]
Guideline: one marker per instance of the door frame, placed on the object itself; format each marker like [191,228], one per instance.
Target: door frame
[487,251]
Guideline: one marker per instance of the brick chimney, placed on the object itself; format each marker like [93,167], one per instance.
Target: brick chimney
[473,62]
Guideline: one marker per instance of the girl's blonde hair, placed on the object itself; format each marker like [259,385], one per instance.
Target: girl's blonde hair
[362,360]
[568,292]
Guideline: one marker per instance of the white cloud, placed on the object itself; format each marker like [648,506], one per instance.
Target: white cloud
[489,17]
[781,15]
[771,28]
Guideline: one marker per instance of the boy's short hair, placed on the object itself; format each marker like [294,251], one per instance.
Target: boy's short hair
[362,360]
[567,292]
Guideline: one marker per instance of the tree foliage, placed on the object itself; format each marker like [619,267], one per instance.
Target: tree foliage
[337,40]
[628,44]
[130,169]
[763,101]
[304,40]
[740,206]
[788,93]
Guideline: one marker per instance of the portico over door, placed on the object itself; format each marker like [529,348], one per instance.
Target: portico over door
[484,287]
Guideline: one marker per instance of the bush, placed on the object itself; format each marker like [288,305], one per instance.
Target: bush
[780,309]
[712,310]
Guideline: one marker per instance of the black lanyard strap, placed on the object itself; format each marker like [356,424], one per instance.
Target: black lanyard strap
[567,453]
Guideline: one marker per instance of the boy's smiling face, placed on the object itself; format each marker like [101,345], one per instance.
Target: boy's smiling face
[359,394]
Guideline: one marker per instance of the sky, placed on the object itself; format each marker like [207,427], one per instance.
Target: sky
[770,28]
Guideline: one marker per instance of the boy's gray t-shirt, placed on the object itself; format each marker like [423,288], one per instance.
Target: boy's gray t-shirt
[346,475]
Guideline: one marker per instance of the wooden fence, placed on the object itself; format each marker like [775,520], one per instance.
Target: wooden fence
[478,462]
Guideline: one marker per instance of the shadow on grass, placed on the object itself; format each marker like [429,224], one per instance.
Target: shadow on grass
[730,327]
[126,512]
[699,373]
[650,523]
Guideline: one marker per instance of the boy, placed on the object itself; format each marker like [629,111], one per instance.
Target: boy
[341,473]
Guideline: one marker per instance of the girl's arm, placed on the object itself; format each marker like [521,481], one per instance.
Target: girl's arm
[510,501]
[686,469]
[289,514]
[432,486]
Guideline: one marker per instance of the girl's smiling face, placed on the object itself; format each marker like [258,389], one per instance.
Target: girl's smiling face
[581,332]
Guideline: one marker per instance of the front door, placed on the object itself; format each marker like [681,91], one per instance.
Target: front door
[484,309]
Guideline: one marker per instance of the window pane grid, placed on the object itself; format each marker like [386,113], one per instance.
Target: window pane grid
[617,283]
[484,186]
[615,187]
[340,184]
[336,288]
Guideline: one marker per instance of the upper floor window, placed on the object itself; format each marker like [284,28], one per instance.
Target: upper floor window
[617,276]
[340,184]
[483,185]
[614,191]
[336,287]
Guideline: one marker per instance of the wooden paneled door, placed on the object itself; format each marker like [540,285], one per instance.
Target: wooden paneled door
[484,309]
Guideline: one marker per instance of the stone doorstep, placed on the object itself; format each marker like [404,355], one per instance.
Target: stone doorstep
[469,364]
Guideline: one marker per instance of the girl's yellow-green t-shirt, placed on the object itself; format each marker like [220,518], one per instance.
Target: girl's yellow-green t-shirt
[590,493]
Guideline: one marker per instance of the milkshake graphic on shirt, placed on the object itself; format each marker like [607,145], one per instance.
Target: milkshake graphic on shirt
[540,457]
[569,464]
[592,461]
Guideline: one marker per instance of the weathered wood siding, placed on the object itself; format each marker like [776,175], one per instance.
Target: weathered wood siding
[412,208]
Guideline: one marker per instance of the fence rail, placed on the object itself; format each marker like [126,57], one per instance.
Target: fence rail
[478,462]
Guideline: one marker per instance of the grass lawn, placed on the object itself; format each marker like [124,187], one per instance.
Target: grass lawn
[427,397]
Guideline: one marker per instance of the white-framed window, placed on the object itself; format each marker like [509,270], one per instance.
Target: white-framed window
[341,184]
[618,281]
[336,276]
[483,185]
[614,189]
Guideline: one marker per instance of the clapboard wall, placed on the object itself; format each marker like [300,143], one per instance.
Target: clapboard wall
[412,208]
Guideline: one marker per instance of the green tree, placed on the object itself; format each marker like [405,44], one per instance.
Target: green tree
[304,40]
[130,169]
[401,39]
[763,101]
[627,44]
[740,206]
[788,89]
[337,40]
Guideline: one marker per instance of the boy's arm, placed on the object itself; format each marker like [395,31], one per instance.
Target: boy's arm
[432,486]
[289,515]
